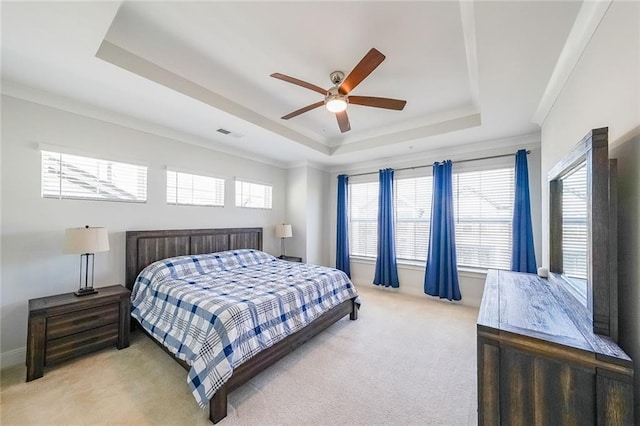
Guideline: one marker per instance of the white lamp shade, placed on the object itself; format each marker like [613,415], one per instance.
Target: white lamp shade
[336,104]
[283,231]
[86,240]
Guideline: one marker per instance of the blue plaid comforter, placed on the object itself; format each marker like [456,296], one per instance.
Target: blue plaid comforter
[217,310]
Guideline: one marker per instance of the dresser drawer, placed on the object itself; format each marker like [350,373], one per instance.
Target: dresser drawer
[80,343]
[79,321]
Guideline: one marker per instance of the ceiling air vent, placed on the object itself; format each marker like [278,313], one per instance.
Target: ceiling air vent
[229,133]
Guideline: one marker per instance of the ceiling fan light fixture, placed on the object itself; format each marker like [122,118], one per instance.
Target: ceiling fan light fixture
[336,99]
[336,102]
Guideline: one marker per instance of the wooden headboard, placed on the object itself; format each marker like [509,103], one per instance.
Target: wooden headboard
[145,247]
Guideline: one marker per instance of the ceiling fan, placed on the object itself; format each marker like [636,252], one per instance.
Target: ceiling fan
[337,97]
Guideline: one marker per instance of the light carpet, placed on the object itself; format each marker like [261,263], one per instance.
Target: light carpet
[406,360]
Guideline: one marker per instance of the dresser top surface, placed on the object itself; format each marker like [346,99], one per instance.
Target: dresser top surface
[528,305]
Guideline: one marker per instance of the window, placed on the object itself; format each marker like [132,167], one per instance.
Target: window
[413,217]
[253,195]
[194,190]
[72,176]
[363,219]
[483,210]
[574,223]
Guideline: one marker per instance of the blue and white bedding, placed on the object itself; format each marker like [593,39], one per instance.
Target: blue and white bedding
[215,311]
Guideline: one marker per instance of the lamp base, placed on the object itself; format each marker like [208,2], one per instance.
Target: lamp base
[85,291]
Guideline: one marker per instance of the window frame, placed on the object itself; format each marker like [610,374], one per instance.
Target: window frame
[420,172]
[484,220]
[373,220]
[407,176]
[216,196]
[140,194]
[240,180]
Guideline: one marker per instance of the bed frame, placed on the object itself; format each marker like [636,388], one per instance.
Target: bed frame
[145,247]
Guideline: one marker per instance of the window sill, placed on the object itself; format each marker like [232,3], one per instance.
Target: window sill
[419,266]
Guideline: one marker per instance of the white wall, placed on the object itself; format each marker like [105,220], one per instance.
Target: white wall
[411,276]
[317,219]
[32,262]
[601,92]
[296,212]
[307,192]
[604,91]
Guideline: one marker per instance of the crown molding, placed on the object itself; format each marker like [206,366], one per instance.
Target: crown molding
[584,27]
[459,152]
[468,17]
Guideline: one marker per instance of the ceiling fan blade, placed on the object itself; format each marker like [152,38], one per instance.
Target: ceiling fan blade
[373,101]
[343,121]
[299,83]
[370,62]
[303,110]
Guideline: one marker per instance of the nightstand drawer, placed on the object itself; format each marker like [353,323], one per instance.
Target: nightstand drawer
[80,343]
[79,321]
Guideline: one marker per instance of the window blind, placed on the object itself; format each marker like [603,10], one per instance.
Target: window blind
[76,177]
[363,219]
[253,195]
[194,190]
[574,223]
[483,209]
[413,217]
[483,206]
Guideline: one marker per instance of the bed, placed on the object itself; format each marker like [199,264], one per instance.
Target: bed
[192,247]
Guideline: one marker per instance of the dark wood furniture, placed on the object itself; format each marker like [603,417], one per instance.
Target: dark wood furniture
[64,326]
[539,361]
[290,258]
[145,247]
[601,298]
[547,351]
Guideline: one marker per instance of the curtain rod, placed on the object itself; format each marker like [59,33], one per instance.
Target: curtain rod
[431,165]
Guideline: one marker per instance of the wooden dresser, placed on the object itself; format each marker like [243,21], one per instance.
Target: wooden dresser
[539,362]
[65,326]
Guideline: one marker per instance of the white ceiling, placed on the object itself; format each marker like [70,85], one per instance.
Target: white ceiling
[469,71]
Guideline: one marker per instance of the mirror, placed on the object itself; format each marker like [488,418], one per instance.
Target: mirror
[574,232]
[582,229]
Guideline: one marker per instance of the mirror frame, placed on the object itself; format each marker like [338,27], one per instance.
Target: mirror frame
[602,297]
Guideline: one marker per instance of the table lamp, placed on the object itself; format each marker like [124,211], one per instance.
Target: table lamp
[283,231]
[85,242]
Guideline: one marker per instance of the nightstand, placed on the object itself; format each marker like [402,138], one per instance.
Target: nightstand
[65,326]
[290,258]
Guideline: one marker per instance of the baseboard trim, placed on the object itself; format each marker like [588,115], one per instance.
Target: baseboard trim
[14,357]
